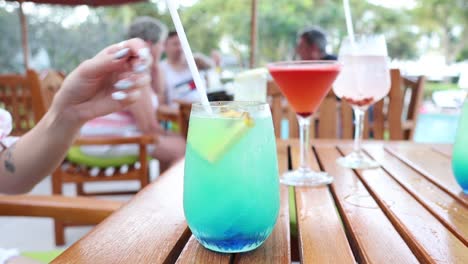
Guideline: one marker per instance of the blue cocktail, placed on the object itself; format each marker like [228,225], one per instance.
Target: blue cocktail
[460,150]
[231,185]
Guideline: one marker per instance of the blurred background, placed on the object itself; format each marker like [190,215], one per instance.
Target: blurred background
[421,31]
[424,37]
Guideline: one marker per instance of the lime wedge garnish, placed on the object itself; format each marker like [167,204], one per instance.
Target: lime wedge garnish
[213,138]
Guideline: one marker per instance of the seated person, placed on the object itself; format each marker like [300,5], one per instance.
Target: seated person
[312,45]
[140,117]
[88,92]
[178,80]
[208,72]
[154,33]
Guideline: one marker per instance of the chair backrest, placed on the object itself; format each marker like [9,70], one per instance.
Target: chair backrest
[397,113]
[415,89]
[387,113]
[184,116]
[280,110]
[327,118]
[51,81]
[18,94]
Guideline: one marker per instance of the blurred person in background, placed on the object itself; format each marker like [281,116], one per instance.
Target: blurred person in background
[312,45]
[178,80]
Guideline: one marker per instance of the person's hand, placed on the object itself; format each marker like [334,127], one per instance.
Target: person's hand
[106,83]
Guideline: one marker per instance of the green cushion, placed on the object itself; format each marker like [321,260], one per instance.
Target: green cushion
[42,256]
[292,212]
[77,156]
[174,127]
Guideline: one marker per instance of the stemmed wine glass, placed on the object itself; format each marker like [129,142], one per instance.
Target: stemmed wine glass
[305,84]
[364,80]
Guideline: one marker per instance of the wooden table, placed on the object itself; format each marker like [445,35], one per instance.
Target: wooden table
[408,211]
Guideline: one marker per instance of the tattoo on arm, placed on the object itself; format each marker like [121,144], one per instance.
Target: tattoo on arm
[9,162]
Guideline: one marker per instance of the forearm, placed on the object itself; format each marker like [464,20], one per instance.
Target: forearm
[157,83]
[37,153]
[144,112]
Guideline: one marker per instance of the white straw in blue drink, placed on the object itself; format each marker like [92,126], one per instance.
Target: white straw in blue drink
[188,55]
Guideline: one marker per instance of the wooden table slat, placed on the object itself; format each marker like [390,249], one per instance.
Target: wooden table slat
[322,238]
[429,240]
[374,238]
[195,253]
[434,166]
[276,248]
[149,229]
[448,210]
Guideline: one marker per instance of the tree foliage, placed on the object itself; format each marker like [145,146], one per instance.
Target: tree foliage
[66,46]
[446,20]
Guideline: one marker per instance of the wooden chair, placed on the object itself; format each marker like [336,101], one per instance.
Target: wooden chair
[397,113]
[86,211]
[415,89]
[67,210]
[179,115]
[280,110]
[79,174]
[51,81]
[184,117]
[17,96]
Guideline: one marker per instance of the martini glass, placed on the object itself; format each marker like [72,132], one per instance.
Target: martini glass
[364,80]
[305,84]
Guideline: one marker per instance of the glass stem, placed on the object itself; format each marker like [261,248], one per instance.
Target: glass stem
[359,114]
[304,137]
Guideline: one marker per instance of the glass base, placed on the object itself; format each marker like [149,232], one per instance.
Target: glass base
[223,249]
[306,177]
[236,244]
[357,161]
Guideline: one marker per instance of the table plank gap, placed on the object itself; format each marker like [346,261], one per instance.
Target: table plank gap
[443,149]
[372,235]
[450,212]
[277,248]
[319,225]
[194,253]
[429,240]
[178,247]
[435,167]
[148,229]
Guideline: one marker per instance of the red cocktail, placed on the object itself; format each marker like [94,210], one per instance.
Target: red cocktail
[305,84]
